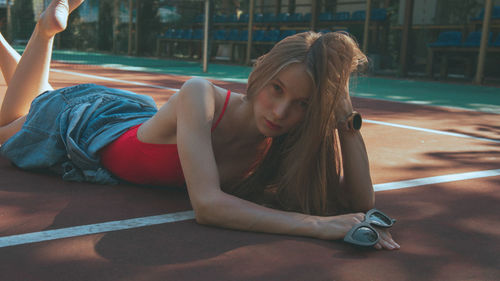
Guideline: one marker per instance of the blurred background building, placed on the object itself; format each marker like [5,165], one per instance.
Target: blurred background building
[436,39]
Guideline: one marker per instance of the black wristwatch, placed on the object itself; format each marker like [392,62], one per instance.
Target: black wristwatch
[353,121]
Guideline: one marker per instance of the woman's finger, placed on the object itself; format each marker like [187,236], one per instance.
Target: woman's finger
[386,240]
[389,242]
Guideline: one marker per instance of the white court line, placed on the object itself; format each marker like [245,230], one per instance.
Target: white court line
[113,79]
[437,179]
[75,231]
[430,131]
[54,234]
[364,120]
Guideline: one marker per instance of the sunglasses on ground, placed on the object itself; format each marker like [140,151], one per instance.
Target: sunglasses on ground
[363,233]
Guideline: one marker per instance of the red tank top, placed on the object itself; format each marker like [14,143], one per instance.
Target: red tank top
[146,163]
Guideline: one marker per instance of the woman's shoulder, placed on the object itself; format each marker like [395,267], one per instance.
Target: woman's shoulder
[197,89]
[203,92]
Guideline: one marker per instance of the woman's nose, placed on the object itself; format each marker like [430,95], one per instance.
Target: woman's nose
[280,109]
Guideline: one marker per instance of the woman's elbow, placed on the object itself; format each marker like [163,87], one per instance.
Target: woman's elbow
[365,204]
[202,216]
[206,211]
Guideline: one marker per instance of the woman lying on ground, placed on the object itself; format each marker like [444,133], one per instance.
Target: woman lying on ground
[279,159]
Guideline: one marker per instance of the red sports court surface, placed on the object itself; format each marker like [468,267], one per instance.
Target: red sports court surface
[438,170]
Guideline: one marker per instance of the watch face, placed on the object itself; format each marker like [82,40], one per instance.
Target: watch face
[356,121]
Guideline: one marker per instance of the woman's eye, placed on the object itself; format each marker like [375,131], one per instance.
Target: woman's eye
[303,105]
[277,87]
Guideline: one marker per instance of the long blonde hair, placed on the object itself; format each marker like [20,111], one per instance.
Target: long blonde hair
[302,167]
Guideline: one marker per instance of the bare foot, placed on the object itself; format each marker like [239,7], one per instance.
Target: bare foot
[73,4]
[55,18]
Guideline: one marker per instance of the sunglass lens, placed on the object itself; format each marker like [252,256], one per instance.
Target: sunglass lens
[365,234]
[380,219]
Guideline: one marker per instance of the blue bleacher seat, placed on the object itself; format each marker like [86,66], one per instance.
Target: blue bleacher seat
[448,39]
[307,17]
[283,17]
[324,30]
[198,34]
[234,35]
[341,16]
[286,33]
[179,34]
[168,34]
[220,18]
[325,16]
[269,17]
[358,15]
[495,14]
[175,33]
[243,35]
[232,18]
[220,34]
[271,35]
[243,18]
[295,17]
[188,34]
[497,41]
[474,39]
[258,35]
[378,14]
[258,17]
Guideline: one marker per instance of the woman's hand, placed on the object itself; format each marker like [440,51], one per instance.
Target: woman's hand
[337,227]
[343,109]
[344,106]
[385,241]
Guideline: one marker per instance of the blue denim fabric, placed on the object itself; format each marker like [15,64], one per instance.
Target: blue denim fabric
[66,128]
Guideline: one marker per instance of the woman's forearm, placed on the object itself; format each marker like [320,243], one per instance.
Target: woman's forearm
[231,212]
[356,180]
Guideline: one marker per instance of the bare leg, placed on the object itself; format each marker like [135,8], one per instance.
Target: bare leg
[9,59]
[32,73]
[8,62]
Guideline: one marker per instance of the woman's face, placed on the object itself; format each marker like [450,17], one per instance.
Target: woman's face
[282,103]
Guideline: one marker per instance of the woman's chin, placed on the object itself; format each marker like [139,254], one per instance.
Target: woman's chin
[271,133]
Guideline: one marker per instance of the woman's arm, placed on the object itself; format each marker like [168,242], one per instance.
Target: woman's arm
[195,110]
[356,182]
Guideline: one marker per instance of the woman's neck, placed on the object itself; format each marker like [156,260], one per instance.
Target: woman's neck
[244,122]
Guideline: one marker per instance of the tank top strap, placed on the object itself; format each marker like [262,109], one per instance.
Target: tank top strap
[228,95]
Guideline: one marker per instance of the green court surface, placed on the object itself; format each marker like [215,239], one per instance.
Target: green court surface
[464,96]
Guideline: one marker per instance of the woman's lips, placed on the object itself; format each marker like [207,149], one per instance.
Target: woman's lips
[272,126]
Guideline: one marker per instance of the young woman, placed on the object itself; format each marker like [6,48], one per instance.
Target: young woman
[280,159]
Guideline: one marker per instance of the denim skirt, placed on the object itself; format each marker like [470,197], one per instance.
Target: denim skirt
[66,128]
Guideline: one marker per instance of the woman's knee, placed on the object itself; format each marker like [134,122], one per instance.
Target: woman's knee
[11,129]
